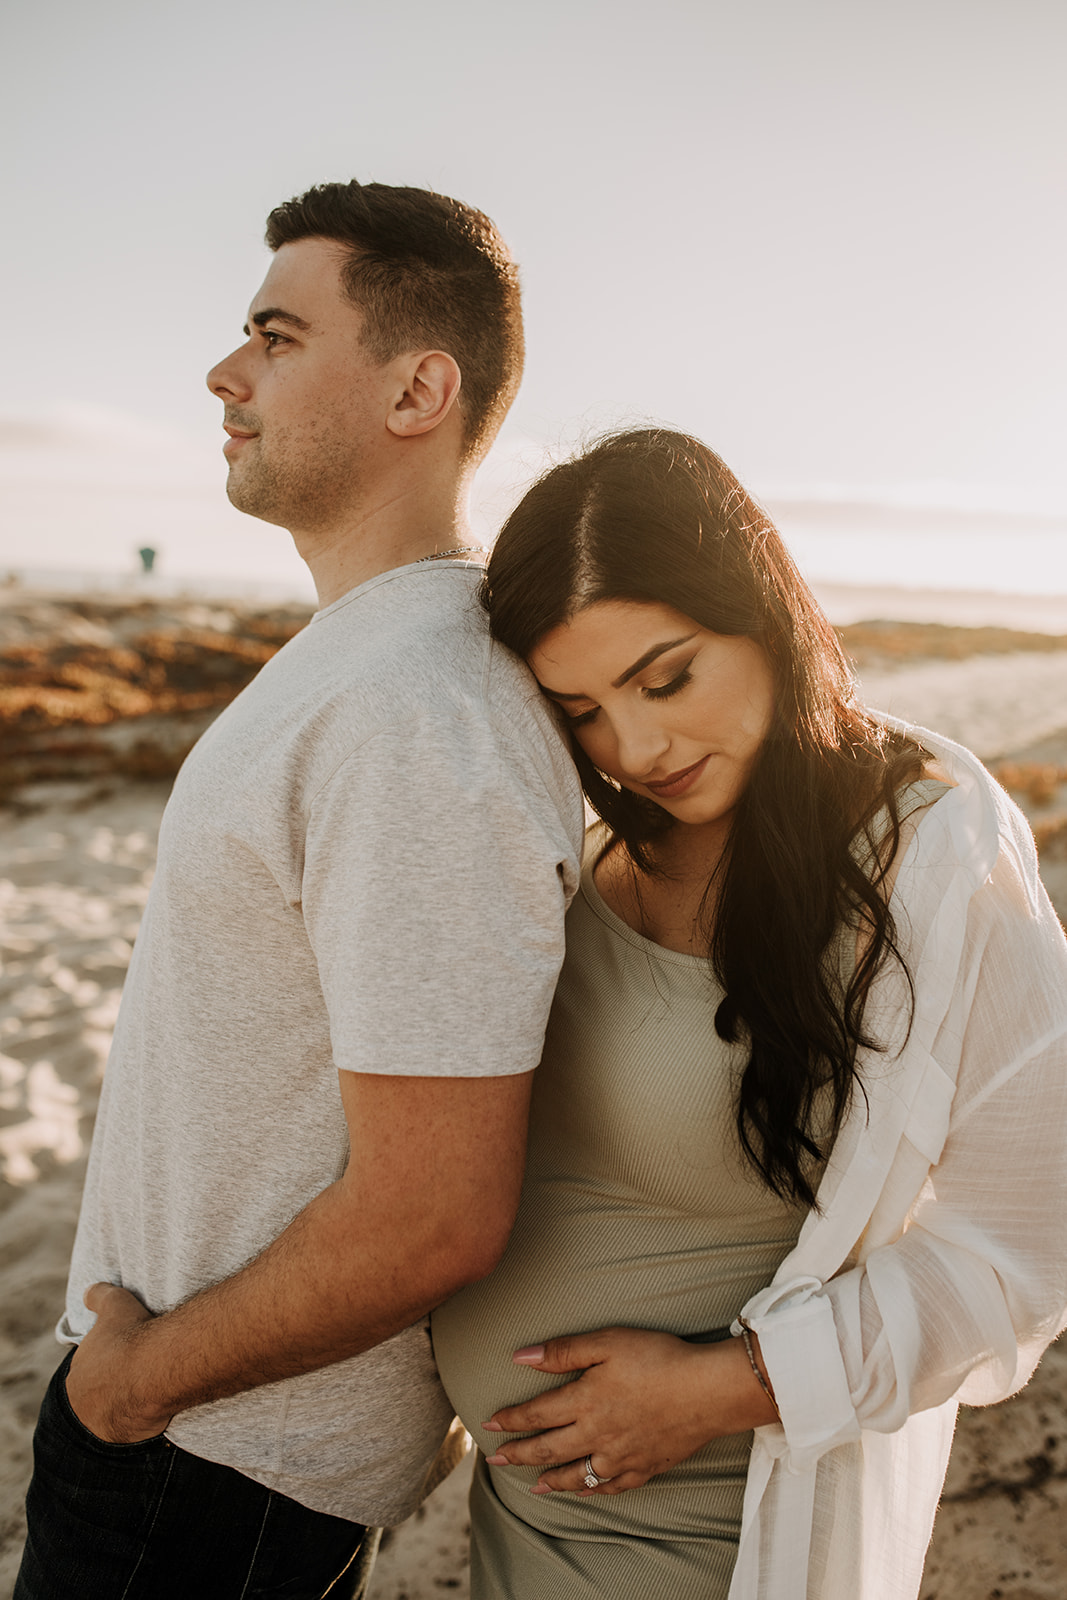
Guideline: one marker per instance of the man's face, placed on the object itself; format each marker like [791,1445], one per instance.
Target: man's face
[305,406]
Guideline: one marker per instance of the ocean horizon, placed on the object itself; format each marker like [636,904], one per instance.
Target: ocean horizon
[83,490]
[843,601]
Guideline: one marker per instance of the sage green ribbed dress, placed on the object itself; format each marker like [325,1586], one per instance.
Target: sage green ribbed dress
[637,1210]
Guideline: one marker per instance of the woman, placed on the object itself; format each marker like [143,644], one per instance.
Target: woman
[804,1083]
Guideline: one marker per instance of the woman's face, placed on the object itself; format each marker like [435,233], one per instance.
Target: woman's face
[670,710]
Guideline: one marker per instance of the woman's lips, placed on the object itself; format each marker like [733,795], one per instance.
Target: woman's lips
[678,782]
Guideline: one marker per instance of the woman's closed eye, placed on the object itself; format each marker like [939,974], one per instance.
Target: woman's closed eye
[578,719]
[665,690]
[660,691]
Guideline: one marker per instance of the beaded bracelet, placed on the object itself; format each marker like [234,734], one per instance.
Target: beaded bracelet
[761,1380]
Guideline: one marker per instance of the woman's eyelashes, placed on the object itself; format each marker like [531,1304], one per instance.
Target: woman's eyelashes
[665,690]
[660,691]
[580,718]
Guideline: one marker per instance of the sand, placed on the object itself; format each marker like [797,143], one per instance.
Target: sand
[76,860]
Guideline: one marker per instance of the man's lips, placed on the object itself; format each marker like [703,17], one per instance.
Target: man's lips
[678,782]
[237,437]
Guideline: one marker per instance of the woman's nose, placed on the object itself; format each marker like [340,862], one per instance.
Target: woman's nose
[643,742]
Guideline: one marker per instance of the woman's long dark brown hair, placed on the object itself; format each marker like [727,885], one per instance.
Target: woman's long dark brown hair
[653,515]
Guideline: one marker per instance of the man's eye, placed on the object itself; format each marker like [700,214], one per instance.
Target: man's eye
[272,340]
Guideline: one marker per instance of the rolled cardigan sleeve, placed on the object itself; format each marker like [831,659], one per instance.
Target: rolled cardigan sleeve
[964,1293]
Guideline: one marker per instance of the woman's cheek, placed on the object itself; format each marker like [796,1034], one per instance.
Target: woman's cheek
[598,749]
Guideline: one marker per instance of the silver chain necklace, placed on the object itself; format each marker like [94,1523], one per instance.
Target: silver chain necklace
[460,550]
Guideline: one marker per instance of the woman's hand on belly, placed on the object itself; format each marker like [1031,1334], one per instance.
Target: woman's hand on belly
[644,1402]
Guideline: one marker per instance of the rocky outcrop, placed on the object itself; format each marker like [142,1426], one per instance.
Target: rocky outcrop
[92,689]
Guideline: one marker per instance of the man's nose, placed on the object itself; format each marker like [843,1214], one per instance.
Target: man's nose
[227,381]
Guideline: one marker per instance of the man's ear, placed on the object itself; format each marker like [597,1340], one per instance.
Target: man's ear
[431,385]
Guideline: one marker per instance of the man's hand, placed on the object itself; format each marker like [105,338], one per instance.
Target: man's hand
[97,1385]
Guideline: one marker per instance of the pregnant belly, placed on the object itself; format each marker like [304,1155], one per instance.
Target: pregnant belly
[571,1268]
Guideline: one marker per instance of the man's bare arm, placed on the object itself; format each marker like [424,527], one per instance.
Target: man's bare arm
[425,1206]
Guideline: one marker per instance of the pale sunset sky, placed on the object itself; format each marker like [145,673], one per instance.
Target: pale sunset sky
[828,237]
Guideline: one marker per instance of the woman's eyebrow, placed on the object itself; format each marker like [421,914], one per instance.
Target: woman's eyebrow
[645,660]
[638,666]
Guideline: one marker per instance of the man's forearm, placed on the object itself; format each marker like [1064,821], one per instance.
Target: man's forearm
[312,1297]
[417,1216]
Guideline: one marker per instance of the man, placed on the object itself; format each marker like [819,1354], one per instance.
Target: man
[313,1122]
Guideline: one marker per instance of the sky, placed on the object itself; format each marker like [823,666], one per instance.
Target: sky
[828,236]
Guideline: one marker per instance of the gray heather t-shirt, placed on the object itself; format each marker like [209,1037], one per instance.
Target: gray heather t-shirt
[364,865]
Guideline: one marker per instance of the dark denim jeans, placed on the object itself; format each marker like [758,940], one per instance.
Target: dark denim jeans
[149,1521]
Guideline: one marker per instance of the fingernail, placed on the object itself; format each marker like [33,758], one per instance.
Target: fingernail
[541,1488]
[492,1427]
[497,1461]
[533,1355]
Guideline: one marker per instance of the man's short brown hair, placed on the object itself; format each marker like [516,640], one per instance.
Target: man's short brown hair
[428,273]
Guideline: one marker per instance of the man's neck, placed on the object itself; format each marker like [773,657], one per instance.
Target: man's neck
[392,534]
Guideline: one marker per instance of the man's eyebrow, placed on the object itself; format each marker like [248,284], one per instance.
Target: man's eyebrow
[624,677]
[276,314]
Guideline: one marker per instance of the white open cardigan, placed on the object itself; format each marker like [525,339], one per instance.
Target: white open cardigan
[935,1270]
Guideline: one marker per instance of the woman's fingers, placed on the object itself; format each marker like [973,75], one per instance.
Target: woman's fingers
[640,1403]
[553,1409]
[570,1353]
[540,1450]
[562,1475]
[571,1480]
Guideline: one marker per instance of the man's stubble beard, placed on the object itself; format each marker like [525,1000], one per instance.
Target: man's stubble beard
[292,495]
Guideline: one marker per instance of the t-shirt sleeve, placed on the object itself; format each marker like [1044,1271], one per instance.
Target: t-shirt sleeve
[435,884]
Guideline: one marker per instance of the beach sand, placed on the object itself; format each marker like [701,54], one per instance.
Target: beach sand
[77,847]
